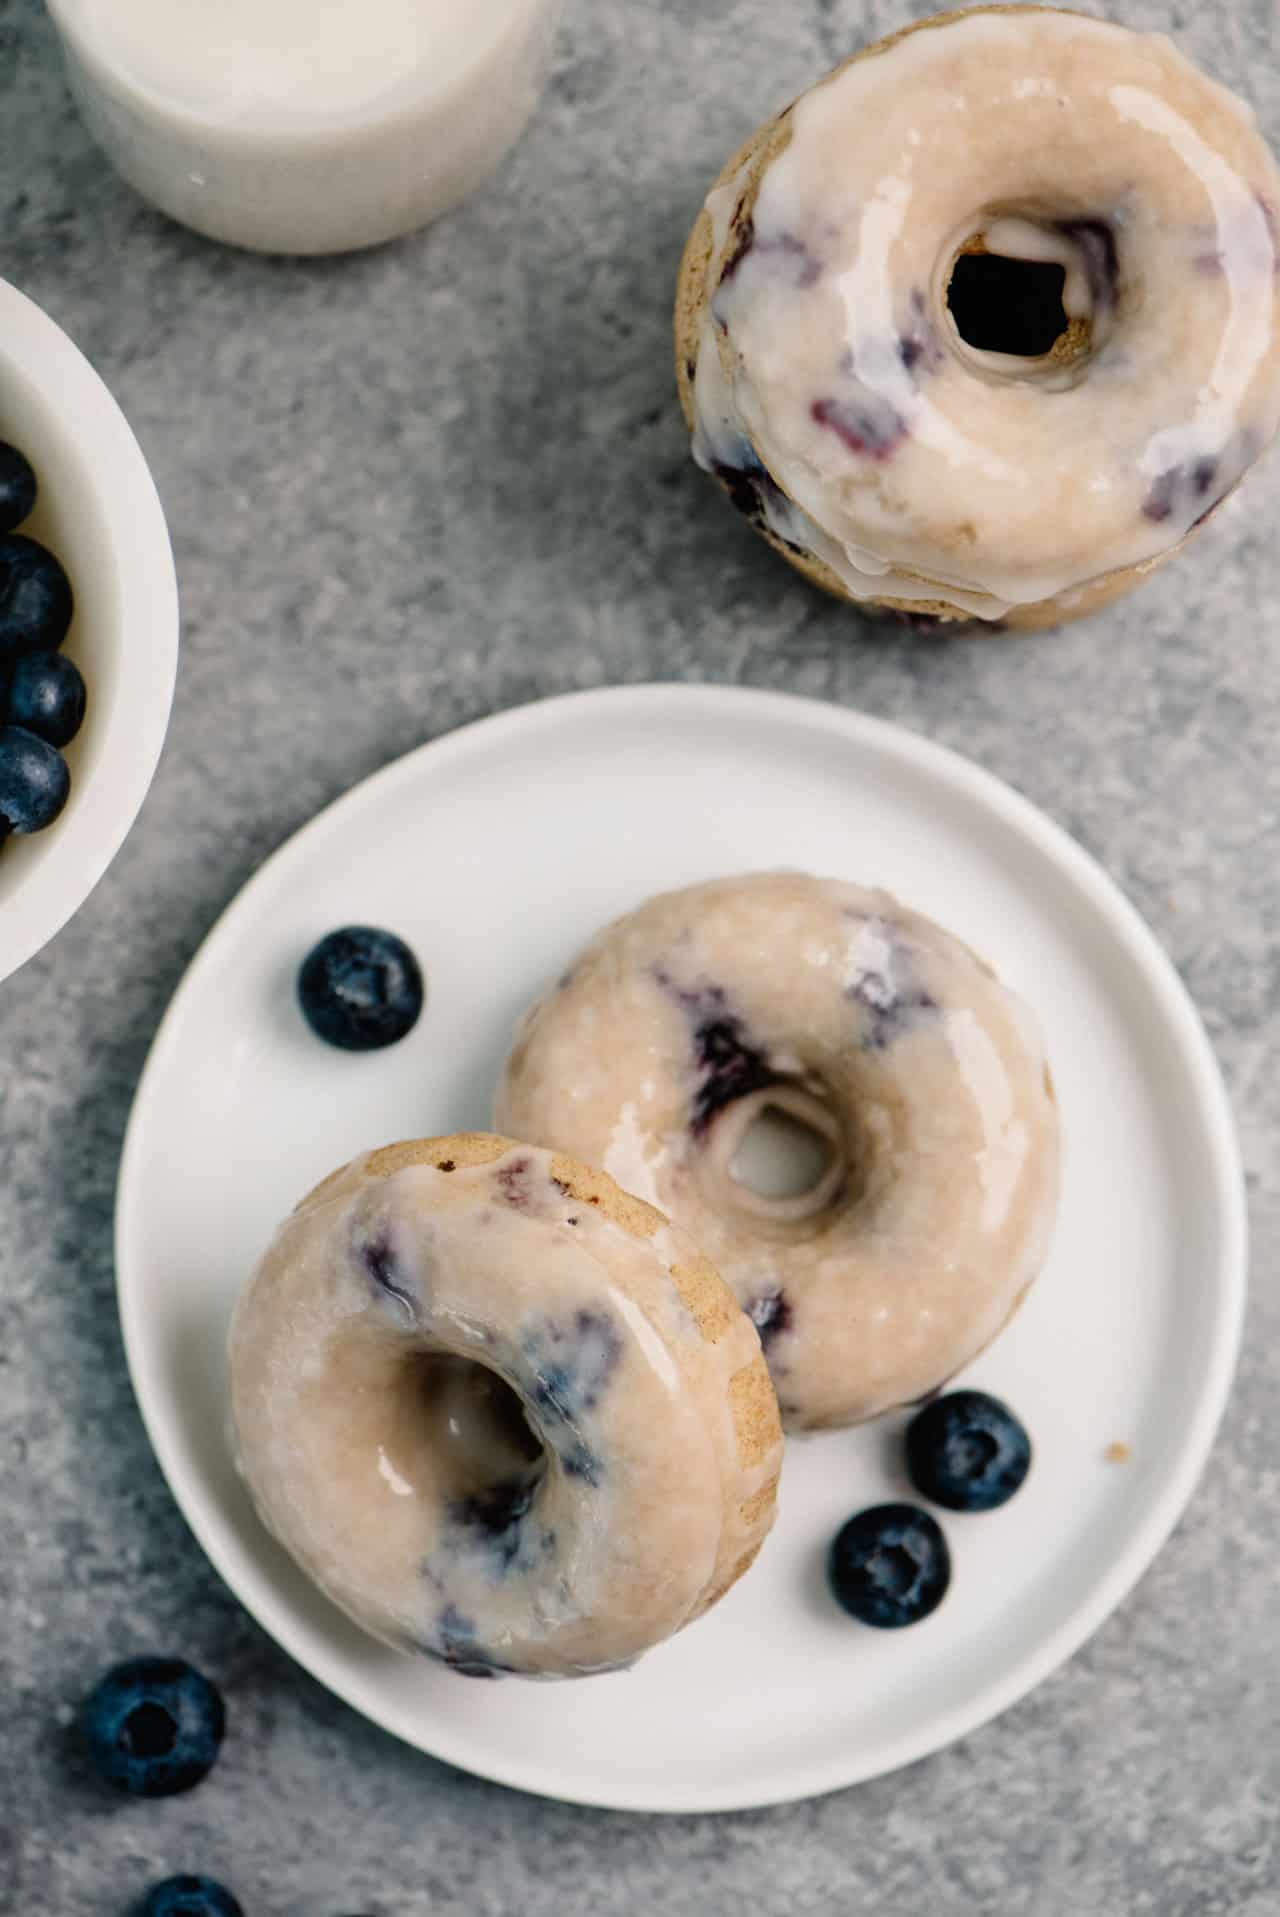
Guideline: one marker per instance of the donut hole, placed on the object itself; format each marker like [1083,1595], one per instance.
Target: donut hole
[779,1153]
[1011,306]
[780,1156]
[482,1447]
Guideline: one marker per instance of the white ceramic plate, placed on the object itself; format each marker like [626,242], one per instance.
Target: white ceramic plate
[495,852]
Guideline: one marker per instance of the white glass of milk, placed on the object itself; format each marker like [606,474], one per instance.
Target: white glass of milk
[305,126]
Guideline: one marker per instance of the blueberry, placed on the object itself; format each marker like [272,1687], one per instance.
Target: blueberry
[153,1727]
[360,988]
[35,598]
[890,1565]
[190,1897]
[967,1451]
[46,695]
[34,781]
[17,487]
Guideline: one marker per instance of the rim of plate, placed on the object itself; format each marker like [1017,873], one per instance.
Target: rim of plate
[1223,1172]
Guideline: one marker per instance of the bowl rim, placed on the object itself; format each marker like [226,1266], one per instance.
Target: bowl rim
[137,718]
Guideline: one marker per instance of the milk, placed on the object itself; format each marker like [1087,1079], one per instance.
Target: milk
[305,126]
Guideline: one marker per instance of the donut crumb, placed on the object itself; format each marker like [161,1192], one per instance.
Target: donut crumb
[1117,1452]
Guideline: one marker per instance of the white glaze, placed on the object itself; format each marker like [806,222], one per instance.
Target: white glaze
[681,1021]
[972,478]
[480,1414]
[304,126]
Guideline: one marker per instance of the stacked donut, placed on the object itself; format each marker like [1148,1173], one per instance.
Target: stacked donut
[521,1414]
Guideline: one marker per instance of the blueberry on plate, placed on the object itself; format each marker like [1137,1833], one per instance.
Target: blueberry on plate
[45,695]
[889,1566]
[360,988]
[35,598]
[190,1897]
[154,1726]
[17,487]
[967,1451]
[34,781]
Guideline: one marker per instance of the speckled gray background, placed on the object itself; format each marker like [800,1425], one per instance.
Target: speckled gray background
[414,487]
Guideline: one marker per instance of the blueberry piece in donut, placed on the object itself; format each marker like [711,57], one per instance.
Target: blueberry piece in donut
[503,1444]
[817,1083]
[891,1009]
[743,486]
[726,1065]
[770,1314]
[729,1068]
[865,421]
[1181,490]
[572,1366]
[457,1647]
[380,1263]
[924,460]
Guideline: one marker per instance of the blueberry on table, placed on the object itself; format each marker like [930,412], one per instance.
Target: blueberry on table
[889,1566]
[17,487]
[34,781]
[190,1897]
[967,1451]
[153,1727]
[35,598]
[360,988]
[45,695]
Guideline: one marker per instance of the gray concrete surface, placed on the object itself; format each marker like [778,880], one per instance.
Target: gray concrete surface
[418,486]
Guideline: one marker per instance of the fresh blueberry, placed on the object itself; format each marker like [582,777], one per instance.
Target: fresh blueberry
[190,1897]
[34,781]
[360,988]
[967,1451]
[890,1565]
[17,487]
[46,695]
[35,598]
[153,1727]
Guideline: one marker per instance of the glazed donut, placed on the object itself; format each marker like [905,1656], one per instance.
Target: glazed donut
[500,1411]
[821,365]
[916,1080]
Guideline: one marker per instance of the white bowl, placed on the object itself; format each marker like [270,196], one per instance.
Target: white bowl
[98,510]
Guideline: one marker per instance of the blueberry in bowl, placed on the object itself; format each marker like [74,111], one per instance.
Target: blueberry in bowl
[360,988]
[190,1897]
[34,781]
[967,1452]
[17,487]
[154,1726]
[36,600]
[889,1566]
[46,695]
